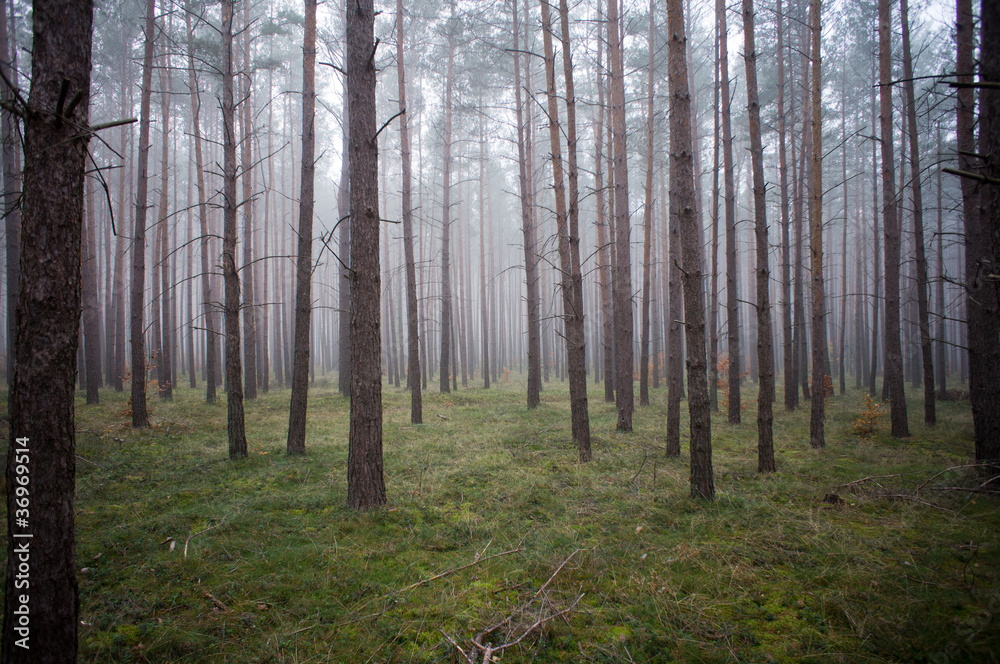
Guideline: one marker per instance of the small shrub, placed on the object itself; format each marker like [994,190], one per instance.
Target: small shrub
[868,422]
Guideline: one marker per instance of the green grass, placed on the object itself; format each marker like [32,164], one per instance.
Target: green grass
[768,572]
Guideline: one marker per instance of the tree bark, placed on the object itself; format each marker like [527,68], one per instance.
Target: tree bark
[683,205]
[247,205]
[528,231]
[91,315]
[732,285]
[164,260]
[647,223]
[622,283]
[413,333]
[788,366]
[894,352]
[296,443]
[446,312]
[817,437]
[41,463]
[365,483]
[11,191]
[765,356]
[234,382]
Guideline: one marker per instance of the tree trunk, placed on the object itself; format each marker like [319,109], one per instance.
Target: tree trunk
[603,249]
[528,230]
[942,334]
[164,260]
[622,283]
[413,336]
[567,223]
[647,224]
[982,252]
[732,285]
[296,443]
[683,206]
[894,352]
[41,463]
[234,382]
[91,316]
[765,356]
[713,317]
[446,314]
[365,484]
[675,360]
[788,366]
[11,191]
[877,251]
[247,204]
[816,434]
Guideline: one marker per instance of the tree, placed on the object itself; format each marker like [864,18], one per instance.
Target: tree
[930,417]
[246,168]
[567,228]
[817,412]
[234,382]
[11,179]
[41,464]
[140,418]
[622,269]
[296,443]
[683,205]
[413,335]
[893,349]
[91,317]
[982,249]
[765,356]
[162,261]
[732,295]
[528,231]
[446,323]
[788,368]
[365,483]
[647,223]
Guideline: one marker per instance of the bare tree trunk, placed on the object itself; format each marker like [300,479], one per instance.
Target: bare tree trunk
[567,227]
[841,371]
[675,361]
[483,288]
[647,224]
[732,285]
[11,191]
[765,356]
[942,334]
[413,336]
[982,252]
[446,314]
[683,206]
[246,157]
[296,443]
[344,213]
[365,483]
[234,383]
[877,251]
[91,316]
[42,434]
[713,316]
[930,417]
[894,353]
[791,391]
[817,413]
[528,230]
[140,419]
[164,259]
[622,283]
[603,248]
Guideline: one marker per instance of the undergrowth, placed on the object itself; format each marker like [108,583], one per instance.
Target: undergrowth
[185,556]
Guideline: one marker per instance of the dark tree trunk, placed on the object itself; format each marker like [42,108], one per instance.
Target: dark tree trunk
[91,315]
[927,360]
[765,356]
[207,299]
[11,191]
[234,382]
[246,157]
[528,231]
[675,360]
[683,205]
[165,258]
[791,391]
[819,361]
[942,335]
[622,283]
[894,352]
[413,337]
[713,316]
[877,251]
[296,443]
[732,285]
[365,484]
[41,463]
[647,224]
[982,252]
[140,419]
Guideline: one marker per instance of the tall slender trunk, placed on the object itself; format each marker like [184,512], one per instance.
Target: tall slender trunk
[91,315]
[788,365]
[713,314]
[732,284]
[484,303]
[765,356]
[234,383]
[296,443]
[819,363]
[877,251]
[528,231]
[675,360]
[246,157]
[207,299]
[140,418]
[165,258]
[603,248]
[446,314]
[413,336]
[942,333]
[894,352]
[11,189]
[841,371]
[622,284]
[683,206]
[647,224]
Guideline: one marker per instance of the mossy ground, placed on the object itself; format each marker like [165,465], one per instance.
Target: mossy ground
[768,572]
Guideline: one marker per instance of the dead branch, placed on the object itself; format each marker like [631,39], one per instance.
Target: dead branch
[205,530]
[458,569]
[215,600]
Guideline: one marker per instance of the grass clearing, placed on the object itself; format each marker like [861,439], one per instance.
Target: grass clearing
[277,569]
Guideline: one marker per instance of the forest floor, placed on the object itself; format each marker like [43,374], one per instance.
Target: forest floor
[185,556]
